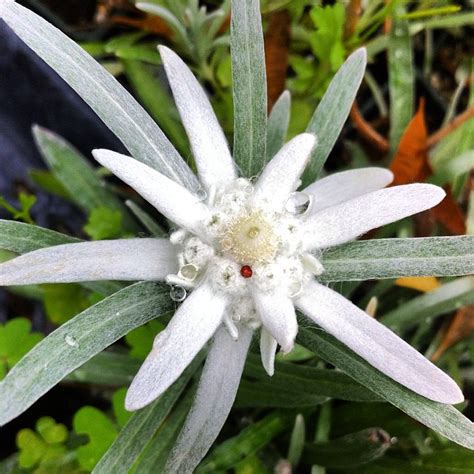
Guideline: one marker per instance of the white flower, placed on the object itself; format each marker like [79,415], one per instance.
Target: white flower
[250,253]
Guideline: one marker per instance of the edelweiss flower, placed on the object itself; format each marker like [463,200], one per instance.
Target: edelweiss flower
[249,252]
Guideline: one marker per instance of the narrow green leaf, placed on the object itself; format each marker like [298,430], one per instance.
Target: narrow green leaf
[146,220]
[141,427]
[444,419]
[278,123]
[333,110]
[71,345]
[442,300]
[157,101]
[156,453]
[393,258]
[351,450]
[248,441]
[112,103]
[305,380]
[249,85]
[297,440]
[107,368]
[77,176]
[22,238]
[401,81]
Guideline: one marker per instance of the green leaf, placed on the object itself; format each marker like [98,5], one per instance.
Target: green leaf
[442,300]
[26,201]
[141,339]
[351,450]
[104,223]
[247,442]
[156,453]
[101,432]
[444,419]
[157,100]
[22,238]
[16,339]
[77,176]
[307,380]
[141,427]
[43,446]
[393,258]
[118,404]
[332,111]
[77,341]
[401,81]
[107,368]
[49,183]
[104,94]
[249,86]
[146,220]
[278,123]
[63,301]
[297,440]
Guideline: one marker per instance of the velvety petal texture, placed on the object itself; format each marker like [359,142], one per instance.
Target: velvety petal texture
[209,145]
[346,185]
[174,348]
[278,316]
[281,175]
[214,398]
[348,220]
[170,198]
[125,259]
[268,347]
[377,344]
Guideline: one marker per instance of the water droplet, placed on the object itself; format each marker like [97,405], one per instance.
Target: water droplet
[178,293]
[201,194]
[398,53]
[189,271]
[71,341]
[117,313]
[298,203]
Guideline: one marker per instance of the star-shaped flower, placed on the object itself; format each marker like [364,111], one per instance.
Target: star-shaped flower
[249,252]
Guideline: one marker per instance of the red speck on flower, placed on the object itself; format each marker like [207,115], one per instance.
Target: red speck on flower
[246,271]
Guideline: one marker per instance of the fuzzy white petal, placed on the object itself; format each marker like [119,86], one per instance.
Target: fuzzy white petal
[125,259]
[214,398]
[377,344]
[170,198]
[281,175]
[174,348]
[346,185]
[268,347]
[211,151]
[348,220]
[278,316]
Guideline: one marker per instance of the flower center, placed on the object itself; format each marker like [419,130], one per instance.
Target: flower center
[250,239]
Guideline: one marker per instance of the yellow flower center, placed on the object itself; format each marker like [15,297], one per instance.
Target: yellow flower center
[250,239]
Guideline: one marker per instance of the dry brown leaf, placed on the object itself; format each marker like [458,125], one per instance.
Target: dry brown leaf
[410,165]
[277,42]
[461,327]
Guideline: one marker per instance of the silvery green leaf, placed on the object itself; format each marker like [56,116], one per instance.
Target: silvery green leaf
[278,122]
[401,79]
[104,94]
[21,238]
[249,85]
[141,427]
[78,340]
[156,453]
[77,176]
[109,368]
[393,258]
[333,110]
[444,419]
[442,300]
